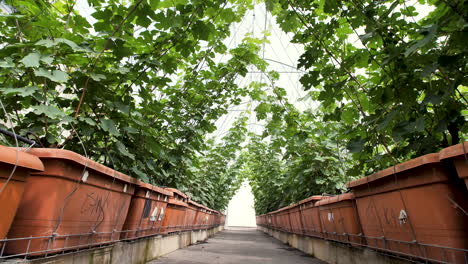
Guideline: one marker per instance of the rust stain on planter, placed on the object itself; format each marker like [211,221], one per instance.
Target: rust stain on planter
[411,202]
[146,213]
[73,196]
[12,192]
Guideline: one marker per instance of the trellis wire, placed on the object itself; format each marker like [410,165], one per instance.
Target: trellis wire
[7,115]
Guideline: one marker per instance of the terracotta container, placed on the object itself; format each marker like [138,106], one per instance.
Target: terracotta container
[174,220]
[201,218]
[214,215]
[146,213]
[283,219]
[216,218]
[281,224]
[339,219]
[210,218]
[295,219]
[192,215]
[12,192]
[260,220]
[411,204]
[206,220]
[217,215]
[277,223]
[458,155]
[223,220]
[269,220]
[75,202]
[310,216]
[273,220]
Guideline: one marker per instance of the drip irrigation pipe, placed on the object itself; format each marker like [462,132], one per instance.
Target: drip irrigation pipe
[20,138]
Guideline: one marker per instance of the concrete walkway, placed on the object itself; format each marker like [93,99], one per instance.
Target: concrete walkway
[238,245]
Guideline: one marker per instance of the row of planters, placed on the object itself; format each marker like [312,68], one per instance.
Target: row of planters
[54,201]
[417,209]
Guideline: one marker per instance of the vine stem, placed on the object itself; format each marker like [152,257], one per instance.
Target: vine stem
[70,9]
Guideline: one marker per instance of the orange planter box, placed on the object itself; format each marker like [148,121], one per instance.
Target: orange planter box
[223,220]
[191,215]
[295,219]
[411,204]
[206,218]
[146,213]
[458,154]
[174,220]
[276,222]
[199,216]
[339,218]
[12,191]
[268,220]
[74,203]
[282,219]
[310,216]
[210,218]
[259,220]
[217,218]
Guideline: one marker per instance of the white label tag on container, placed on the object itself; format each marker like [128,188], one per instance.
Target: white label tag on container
[147,194]
[84,178]
[161,215]
[154,214]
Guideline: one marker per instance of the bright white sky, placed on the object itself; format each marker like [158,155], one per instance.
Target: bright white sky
[241,210]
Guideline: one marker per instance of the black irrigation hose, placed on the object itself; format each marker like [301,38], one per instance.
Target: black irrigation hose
[20,138]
